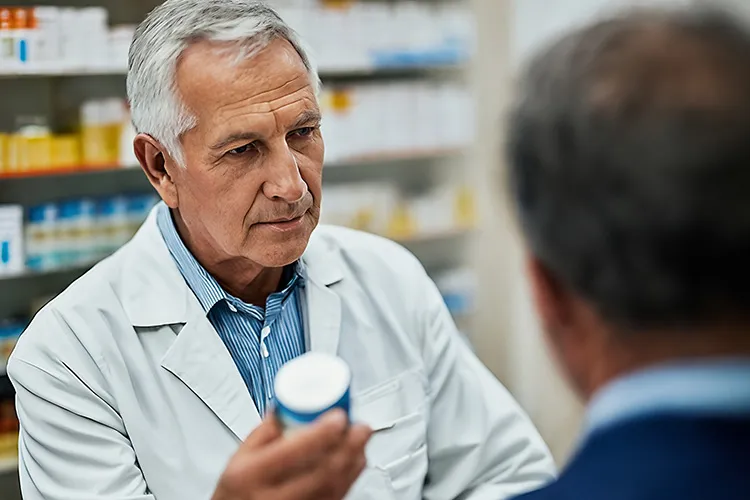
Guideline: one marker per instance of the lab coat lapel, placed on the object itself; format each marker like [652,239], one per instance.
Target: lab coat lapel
[323,267]
[155,294]
[324,318]
[200,360]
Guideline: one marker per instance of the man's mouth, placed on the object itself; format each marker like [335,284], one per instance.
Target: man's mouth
[284,223]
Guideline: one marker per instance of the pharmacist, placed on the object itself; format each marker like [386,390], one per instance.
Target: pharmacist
[150,376]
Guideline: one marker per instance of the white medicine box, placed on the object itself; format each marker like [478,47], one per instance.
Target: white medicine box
[11,239]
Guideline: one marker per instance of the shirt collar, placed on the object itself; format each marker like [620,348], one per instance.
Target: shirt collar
[717,387]
[204,286]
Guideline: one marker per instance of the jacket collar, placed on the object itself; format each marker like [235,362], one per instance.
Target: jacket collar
[154,293]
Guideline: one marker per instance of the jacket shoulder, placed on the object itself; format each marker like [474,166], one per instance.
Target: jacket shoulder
[56,330]
[367,249]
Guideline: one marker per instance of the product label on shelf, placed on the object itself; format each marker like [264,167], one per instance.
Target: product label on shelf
[82,231]
[11,239]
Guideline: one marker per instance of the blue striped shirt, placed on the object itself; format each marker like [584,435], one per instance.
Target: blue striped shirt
[259,340]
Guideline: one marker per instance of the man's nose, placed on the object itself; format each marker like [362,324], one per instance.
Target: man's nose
[284,181]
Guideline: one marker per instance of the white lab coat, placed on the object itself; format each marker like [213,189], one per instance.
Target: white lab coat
[126,392]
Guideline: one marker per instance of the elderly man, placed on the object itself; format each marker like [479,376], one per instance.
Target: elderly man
[145,378]
[630,160]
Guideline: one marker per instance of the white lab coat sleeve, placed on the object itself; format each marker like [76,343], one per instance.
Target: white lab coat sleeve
[481,445]
[73,444]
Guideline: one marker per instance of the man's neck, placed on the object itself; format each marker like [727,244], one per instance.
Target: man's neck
[636,352]
[239,277]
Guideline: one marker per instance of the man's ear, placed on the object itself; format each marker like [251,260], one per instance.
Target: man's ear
[550,297]
[158,166]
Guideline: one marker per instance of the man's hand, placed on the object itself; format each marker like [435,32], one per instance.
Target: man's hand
[320,462]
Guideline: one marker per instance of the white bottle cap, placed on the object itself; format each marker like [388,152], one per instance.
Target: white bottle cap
[312,383]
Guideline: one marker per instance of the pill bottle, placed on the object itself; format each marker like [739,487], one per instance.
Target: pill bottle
[42,237]
[68,233]
[96,134]
[309,386]
[44,44]
[21,32]
[85,233]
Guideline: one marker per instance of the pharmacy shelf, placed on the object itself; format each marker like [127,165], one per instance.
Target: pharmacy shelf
[413,243]
[60,72]
[8,465]
[17,289]
[325,73]
[396,156]
[440,250]
[433,238]
[42,186]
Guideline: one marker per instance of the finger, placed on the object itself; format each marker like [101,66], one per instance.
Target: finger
[299,452]
[354,470]
[351,458]
[359,436]
[267,432]
[327,481]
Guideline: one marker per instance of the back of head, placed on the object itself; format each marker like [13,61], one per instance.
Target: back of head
[630,166]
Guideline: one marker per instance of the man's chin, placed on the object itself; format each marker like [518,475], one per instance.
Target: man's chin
[281,256]
[279,249]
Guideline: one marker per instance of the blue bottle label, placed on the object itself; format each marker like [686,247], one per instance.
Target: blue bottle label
[23,55]
[291,419]
[5,252]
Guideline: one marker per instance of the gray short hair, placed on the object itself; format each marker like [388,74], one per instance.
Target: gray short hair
[167,31]
[630,165]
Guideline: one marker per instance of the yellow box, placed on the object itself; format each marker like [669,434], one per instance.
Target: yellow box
[66,152]
[401,225]
[39,152]
[18,154]
[8,445]
[113,143]
[465,208]
[4,138]
[96,149]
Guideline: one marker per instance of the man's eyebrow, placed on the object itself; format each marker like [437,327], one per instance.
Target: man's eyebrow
[245,137]
[307,117]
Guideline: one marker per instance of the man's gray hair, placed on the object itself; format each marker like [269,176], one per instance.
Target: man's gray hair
[630,165]
[167,31]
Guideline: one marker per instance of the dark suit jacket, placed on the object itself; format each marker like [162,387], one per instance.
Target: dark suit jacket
[659,458]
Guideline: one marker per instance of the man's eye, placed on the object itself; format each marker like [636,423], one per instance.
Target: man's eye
[303,132]
[241,150]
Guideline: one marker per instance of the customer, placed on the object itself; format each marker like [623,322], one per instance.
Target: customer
[143,379]
[630,163]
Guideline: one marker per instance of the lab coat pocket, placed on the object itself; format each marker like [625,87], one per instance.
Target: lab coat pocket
[373,484]
[396,412]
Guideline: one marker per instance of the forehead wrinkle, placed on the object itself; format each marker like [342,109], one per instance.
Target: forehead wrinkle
[281,87]
[260,98]
[265,107]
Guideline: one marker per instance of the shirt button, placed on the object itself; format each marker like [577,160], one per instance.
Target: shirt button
[264,350]
[265,331]
[232,308]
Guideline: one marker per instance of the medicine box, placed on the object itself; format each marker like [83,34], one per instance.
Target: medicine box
[11,239]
